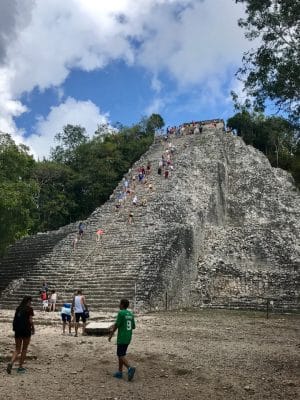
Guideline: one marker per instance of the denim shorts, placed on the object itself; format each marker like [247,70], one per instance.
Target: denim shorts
[66,317]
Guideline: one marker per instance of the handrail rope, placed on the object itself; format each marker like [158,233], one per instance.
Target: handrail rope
[72,276]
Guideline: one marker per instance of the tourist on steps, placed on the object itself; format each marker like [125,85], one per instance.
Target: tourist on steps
[135,200]
[45,303]
[78,307]
[130,218]
[75,242]
[52,300]
[99,233]
[80,230]
[44,287]
[124,324]
[23,328]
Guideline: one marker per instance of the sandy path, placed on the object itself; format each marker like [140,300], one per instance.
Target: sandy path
[182,355]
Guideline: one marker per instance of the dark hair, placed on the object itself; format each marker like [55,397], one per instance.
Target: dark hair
[24,303]
[79,291]
[124,303]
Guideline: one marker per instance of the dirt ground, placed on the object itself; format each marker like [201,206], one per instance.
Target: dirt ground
[208,354]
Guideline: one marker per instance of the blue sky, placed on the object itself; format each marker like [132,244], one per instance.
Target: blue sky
[89,62]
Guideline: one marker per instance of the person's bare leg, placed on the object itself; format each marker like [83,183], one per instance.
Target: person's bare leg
[76,328]
[120,364]
[17,350]
[83,328]
[64,327]
[26,342]
[15,355]
[70,327]
[125,362]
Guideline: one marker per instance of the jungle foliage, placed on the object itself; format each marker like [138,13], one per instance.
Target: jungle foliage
[275,136]
[271,70]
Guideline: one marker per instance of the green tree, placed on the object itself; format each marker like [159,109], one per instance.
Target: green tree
[242,122]
[18,191]
[275,136]
[104,130]
[55,199]
[272,71]
[69,139]
[281,142]
[154,122]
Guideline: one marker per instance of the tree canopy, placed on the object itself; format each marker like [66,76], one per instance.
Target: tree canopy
[18,191]
[275,136]
[272,70]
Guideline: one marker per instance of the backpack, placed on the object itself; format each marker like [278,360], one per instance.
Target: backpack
[20,320]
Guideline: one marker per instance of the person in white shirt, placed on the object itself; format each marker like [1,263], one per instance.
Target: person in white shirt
[78,308]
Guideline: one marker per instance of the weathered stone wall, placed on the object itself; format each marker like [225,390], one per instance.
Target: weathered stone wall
[237,238]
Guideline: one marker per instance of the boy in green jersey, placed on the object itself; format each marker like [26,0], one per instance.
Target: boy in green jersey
[124,324]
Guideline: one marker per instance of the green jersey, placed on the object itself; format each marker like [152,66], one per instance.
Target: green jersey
[125,323]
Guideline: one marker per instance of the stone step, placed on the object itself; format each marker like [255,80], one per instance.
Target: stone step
[100,301]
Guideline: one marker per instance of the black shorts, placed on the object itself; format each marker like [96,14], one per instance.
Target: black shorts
[78,316]
[66,317]
[121,350]
[22,334]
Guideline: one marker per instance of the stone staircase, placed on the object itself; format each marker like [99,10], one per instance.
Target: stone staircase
[22,257]
[106,270]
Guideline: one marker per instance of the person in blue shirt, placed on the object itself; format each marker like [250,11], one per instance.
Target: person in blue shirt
[80,229]
[66,317]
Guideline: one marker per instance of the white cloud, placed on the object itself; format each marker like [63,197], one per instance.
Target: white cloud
[14,15]
[192,40]
[156,84]
[203,42]
[84,113]
[156,106]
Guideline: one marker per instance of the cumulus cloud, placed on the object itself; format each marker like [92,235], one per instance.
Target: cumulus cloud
[14,14]
[84,113]
[190,40]
[202,42]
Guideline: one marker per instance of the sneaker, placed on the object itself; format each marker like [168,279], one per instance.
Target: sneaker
[21,370]
[9,368]
[131,372]
[118,375]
